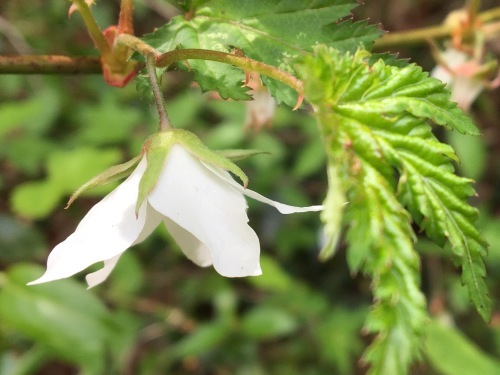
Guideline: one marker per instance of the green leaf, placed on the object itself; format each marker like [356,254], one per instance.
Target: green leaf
[451,353]
[206,337]
[62,316]
[34,115]
[108,121]
[36,199]
[338,336]
[271,31]
[472,154]
[375,118]
[88,162]
[67,170]
[266,322]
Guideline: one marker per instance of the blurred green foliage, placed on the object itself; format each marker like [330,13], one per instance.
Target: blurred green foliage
[158,313]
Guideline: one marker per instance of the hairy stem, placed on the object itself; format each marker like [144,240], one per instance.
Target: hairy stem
[164,123]
[168,58]
[165,60]
[137,45]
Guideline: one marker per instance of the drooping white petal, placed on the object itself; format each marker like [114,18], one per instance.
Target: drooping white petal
[192,247]
[281,207]
[97,277]
[153,218]
[213,212]
[107,230]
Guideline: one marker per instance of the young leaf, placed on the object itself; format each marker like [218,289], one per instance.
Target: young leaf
[271,31]
[374,119]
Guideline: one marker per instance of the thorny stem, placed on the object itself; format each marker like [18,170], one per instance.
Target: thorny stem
[434,32]
[164,123]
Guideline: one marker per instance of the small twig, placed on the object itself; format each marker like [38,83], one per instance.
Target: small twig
[53,64]
[164,123]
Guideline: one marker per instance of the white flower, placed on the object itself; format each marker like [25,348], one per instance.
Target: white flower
[459,71]
[203,208]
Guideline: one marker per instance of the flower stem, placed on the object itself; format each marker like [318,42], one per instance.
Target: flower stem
[92,28]
[164,123]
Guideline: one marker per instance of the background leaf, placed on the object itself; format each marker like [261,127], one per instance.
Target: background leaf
[451,353]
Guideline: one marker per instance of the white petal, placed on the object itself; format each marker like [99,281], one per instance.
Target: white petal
[107,230]
[192,247]
[465,90]
[153,218]
[195,199]
[442,74]
[281,207]
[97,277]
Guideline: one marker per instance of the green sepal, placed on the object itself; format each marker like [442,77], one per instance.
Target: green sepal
[194,145]
[111,174]
[240,154]
[157,148]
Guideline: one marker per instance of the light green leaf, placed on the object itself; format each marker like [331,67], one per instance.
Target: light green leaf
[451,353]
[471,152]
[374,118]
[108,121]
[35,200]
[271,31]
[204,338]
[63,317]
[67,170]
[265,322]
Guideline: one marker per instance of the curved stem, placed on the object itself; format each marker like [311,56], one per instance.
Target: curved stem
[165,60]
[137,45]
[164,123]
[168,58]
